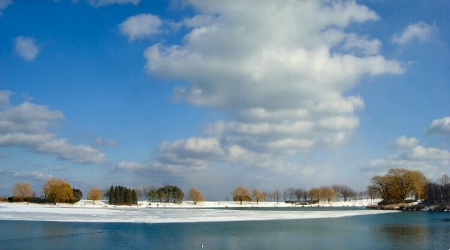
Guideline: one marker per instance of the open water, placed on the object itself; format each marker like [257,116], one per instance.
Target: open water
[406,230]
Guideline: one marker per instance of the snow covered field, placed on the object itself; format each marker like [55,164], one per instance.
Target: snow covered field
[85,211]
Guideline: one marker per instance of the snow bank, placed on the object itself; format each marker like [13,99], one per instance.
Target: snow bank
[146,213]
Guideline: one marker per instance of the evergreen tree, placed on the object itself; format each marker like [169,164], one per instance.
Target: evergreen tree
[111,195]
[116,195]
[77,195]
[127,196]
[134,198]
[121,195]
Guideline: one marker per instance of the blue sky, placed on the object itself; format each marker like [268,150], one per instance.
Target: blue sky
[265,94]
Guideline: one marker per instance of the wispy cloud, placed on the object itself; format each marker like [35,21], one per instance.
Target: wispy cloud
[101,3]
[102,142]
[35,175]
[3,5]
[417,31]
[28,125]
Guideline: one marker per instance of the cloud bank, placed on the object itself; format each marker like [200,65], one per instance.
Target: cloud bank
[280,72]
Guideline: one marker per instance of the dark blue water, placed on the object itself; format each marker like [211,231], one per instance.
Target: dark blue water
[406,230]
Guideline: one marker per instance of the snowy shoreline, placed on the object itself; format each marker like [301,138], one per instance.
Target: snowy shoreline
[146,212]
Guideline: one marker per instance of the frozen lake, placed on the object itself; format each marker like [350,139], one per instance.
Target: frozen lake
[13,211]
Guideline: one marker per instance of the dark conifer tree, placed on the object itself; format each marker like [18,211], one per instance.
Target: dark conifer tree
[111,195]
[134,198]
[116,195]
[127,196]
[121,195]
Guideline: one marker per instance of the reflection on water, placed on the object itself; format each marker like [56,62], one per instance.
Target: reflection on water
[409,230]
[399,235]
[413,230]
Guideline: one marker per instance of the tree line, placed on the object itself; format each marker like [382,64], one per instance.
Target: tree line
[397,185]
[297,195]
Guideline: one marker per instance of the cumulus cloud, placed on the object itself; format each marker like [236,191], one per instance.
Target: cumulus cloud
[140,26]
[27,125]
[410,154]
[279,71]
[101,3]
[440,126]
[418,31]
[26,47]
[404,142]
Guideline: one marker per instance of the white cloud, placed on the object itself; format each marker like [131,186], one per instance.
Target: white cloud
[192,152]
[420,31]
[140,26]
[27,175]
[440,126]
[101,3]
[279,71]
[27,125]
[404,142]
[410,154]
[74,153]
[3,5]
[26,47]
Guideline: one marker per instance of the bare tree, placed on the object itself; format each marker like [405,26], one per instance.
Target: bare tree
[316,194]
[95,194]
[300,193]
[372,192]
[58,190]
[270,196]
[328,193]
[241,193]
[258,195]
[195,195]
[383,185]
[338,190]
[23,191]
[290,193]
[444,180]
[277,195]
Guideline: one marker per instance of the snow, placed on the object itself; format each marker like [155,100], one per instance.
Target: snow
[86,211]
